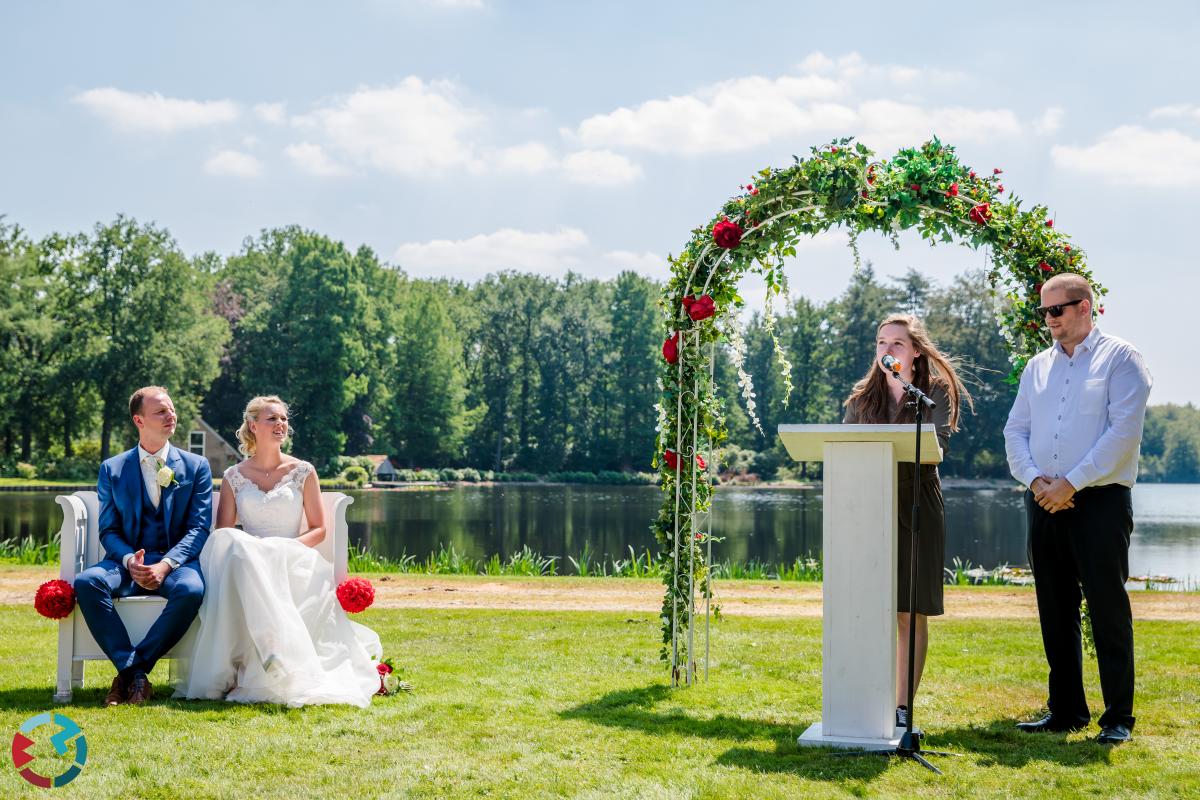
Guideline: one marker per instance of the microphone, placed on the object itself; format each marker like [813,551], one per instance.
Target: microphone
[893,365]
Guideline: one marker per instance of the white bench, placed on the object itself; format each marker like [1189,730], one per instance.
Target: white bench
[81,548]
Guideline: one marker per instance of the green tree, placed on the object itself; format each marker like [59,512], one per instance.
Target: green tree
[427,419]
[150,321]
[635,349]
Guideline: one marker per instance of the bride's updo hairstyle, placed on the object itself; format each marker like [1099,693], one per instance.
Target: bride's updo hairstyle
[246,442]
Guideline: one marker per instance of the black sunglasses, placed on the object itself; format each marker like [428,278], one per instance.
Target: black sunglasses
[1056,311]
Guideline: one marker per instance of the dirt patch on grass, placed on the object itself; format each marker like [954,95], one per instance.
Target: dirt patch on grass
[740,598]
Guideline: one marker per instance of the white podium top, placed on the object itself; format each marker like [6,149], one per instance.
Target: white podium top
[807,442]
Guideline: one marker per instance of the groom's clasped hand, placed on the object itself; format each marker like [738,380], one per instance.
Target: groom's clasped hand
[147,577]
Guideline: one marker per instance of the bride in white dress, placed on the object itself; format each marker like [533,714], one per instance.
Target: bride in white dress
[271,627]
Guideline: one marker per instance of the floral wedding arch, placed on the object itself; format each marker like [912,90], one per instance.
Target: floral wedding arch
[926,188]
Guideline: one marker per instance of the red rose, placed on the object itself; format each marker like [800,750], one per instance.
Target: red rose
[1000,189]
[864,194]
[355,594]
[972,174]
[1101,309]
[55,599]
[1067,248]
[871,175]
[383,669]
[727,234]
[701,308]
[981,213]
[916,187]
[671,459]
[833,150]
[952,191]
[1044,267]
[996,171]
[753,191]
[1037,287]
[1049,223]
[671,348]
[700,462]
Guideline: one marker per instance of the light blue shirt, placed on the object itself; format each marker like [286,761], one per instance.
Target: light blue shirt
[1080,416]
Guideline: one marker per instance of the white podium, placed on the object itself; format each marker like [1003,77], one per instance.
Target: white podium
[858,674]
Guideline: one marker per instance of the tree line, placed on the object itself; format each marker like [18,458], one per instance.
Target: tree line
[515,373]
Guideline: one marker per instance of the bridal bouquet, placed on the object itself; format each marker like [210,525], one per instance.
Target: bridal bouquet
[389,682]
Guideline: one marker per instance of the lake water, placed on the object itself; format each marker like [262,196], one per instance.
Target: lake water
[983,526]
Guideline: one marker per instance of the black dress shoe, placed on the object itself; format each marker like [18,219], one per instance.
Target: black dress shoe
[1114,734]
[1048,724]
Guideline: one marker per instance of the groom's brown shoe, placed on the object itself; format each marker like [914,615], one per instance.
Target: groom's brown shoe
[118,694]
[140,689]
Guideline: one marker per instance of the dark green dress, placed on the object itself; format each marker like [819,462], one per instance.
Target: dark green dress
[931,547]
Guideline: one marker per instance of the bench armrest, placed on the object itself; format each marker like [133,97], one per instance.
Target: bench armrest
[72,536]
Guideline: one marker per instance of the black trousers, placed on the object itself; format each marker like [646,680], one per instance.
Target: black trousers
[1085,548]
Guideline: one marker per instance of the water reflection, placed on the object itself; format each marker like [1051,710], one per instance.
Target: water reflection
[985,527]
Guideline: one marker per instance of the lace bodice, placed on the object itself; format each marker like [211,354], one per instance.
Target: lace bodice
[279,512]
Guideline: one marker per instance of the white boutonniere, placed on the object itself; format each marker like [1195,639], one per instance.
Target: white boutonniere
[165,476]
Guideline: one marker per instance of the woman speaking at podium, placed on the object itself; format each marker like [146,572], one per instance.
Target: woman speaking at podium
[877,399]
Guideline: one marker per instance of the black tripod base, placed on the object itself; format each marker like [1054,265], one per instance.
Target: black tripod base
[909,747]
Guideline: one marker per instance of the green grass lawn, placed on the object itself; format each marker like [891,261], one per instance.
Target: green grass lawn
[575,704]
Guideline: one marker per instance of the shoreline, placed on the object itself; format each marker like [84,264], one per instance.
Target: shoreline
[748,598]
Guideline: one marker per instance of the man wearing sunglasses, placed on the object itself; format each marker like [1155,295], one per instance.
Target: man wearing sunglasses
[1073,437]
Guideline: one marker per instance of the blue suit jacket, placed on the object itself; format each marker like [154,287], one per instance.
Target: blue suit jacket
[186,505]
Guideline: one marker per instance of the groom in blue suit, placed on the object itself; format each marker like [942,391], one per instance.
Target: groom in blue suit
[155,514]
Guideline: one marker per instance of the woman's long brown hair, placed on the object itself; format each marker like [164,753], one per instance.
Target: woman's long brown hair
[871,395]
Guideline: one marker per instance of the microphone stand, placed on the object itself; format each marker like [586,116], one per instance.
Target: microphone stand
[910,741]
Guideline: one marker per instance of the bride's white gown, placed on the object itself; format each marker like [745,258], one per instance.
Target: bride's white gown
[271,627]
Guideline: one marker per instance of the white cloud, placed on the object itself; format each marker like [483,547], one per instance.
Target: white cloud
[653,265]
[886,124]
[273,113]
[471,259]
[1136,156]
[313,160]
[1049,122]
[1178,111]
[600,168]
[152,112]
[233,163]
[531,157]
[412,128]
[826,98]
[727,116]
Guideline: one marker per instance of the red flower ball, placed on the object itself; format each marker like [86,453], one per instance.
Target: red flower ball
[1101,309]
[1044,267]
[727,234]
[833,150]
[981,213]
[864,194]
[1049,223]
[916,187]
[671,459]
[670,348]
[700,462]
[952,191]
[55,599]
[355,594]
[1066,248]
[383,669]
[700,308]
[972,174]
[1037,287]
[996,171]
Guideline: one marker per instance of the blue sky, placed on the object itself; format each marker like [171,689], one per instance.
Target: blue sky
[464,136]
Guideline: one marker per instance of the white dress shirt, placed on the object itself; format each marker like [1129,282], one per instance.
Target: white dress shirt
[1080,416]
[149,463]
